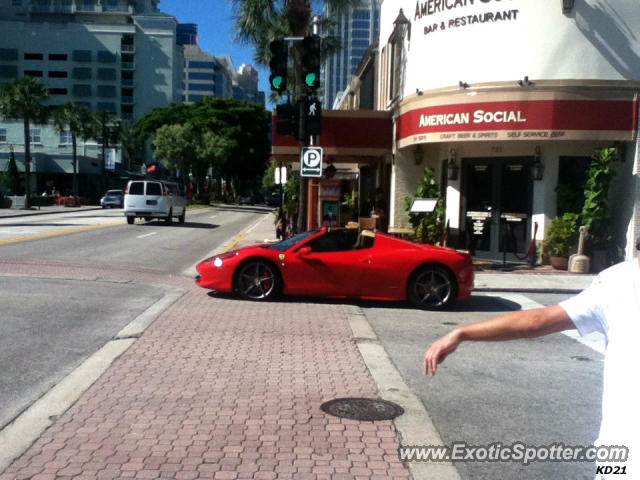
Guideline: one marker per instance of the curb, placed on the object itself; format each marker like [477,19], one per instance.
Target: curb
[40,212]
[415,426]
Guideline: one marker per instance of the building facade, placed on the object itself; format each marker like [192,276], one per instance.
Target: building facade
[507,102]
[357,30]
[118,56]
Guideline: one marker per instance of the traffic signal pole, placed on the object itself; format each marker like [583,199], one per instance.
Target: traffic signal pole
[303,119]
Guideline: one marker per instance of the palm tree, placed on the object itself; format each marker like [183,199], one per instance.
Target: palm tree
[107,128]
[23,99]
[259,22]
[78,121]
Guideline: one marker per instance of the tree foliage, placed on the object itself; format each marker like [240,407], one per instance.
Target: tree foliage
[78,121]
[429,227]
[22,100]
[230,136]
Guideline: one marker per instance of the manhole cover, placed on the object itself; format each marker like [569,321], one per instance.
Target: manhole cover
[364,409]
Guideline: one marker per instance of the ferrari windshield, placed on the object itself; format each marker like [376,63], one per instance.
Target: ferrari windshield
[290,242]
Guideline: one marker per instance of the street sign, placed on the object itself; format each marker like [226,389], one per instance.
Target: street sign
[311,162]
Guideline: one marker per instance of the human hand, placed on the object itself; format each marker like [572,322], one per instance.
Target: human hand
[439,351]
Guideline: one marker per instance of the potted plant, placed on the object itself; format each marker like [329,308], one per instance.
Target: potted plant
[561,239]
[595,212]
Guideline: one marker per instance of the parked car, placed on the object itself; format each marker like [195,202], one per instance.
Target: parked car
[154,199]
[343,263]
[113,198]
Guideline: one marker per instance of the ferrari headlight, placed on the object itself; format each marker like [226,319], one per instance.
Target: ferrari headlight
[217,262]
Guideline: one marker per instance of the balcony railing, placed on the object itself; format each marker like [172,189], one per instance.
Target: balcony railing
[128,48]
[128,66]
[126,100]
[127,82]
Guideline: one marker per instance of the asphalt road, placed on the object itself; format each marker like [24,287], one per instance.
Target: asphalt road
[537,392]
[48,326]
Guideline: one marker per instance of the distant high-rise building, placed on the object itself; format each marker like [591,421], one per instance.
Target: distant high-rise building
[187,34]
[357,29]
[118,56]
[245,85]
[207,75]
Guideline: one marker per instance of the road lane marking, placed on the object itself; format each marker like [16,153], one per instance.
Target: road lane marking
[59,232]
[213,216]
[146,235]
[594,341]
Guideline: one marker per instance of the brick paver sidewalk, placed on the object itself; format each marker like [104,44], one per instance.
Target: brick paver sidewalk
[221,388]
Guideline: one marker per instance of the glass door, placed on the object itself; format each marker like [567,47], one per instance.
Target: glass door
[497,198]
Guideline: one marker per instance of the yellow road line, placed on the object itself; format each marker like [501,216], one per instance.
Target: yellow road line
[234,243]
[59,232]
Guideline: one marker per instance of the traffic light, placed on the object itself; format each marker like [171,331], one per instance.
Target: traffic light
[310,56]
[313,112]
[286,120]
[278,65]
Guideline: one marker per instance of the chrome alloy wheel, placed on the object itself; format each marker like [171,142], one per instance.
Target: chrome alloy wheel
[256,280]
[431,287]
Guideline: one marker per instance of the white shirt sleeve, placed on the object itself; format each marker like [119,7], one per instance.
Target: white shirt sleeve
[586,309]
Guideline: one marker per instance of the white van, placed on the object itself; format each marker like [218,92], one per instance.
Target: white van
[154,199]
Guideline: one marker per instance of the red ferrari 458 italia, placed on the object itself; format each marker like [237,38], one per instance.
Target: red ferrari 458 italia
[343,263]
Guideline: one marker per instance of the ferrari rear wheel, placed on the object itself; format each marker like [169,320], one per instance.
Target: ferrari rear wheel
[431,287]
[257,280]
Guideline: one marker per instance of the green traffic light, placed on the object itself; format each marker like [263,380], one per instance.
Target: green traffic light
[276,82]
[310,79]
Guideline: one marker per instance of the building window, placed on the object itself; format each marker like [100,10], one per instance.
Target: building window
[8,54]
[33,56]
[201,76]
[82,90]
[105,56]
[195,98]
[57,57]
[106,91]
[107,107]
[66,138]
[81,55]
[81,73]
[58,91]
[35,136]
[8,71]
[194,64]
[206,87]
[3,135]
[16,3]
[57,74]
[106,74]
[33,73]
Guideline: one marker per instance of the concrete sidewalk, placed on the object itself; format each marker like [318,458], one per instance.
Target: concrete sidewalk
[217,387]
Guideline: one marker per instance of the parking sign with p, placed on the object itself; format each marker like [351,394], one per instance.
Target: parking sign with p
[311,162]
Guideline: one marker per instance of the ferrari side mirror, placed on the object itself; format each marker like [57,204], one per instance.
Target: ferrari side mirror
[304,251]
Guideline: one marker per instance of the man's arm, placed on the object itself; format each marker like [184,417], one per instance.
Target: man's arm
[520,324]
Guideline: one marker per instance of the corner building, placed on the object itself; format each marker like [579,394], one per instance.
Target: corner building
[507,100]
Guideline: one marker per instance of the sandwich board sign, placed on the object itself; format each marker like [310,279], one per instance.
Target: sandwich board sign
[311,162]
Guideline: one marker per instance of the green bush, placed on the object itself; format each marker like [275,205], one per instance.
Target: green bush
[562,237]
[42,201]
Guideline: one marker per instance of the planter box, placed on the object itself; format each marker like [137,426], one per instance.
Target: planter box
[559,263]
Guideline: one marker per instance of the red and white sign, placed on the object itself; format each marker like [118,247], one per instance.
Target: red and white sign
[520,120]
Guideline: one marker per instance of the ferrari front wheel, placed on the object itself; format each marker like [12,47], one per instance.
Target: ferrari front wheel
[431,287]
[257,280]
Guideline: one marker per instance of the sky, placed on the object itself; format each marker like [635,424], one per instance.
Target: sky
[215,31]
